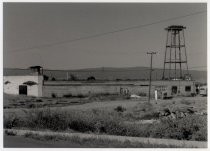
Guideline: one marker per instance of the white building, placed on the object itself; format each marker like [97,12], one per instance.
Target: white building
[27,84]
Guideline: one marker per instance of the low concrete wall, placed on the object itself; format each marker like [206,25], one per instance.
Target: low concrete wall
[61,88]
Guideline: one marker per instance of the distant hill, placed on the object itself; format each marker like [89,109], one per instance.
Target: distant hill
[130,73]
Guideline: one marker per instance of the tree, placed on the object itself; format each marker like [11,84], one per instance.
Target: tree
[53,79]
[46,78]
[91,78]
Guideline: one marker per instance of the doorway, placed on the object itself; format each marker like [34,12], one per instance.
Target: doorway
[23,89]
[174,90]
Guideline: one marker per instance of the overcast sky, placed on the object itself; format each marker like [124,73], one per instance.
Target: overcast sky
[42,34]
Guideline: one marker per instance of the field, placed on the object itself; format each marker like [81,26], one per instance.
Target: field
[181,118]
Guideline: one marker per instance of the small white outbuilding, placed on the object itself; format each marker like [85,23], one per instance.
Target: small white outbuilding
[27,84]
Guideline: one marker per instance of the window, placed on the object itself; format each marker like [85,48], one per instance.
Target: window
[187,88]
[174,90]
[23,89]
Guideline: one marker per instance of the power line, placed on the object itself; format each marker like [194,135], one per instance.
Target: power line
[105,33]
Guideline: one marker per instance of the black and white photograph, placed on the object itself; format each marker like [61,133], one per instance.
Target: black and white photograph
[104,75]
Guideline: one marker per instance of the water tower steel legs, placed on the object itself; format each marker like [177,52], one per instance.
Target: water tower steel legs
[175,46]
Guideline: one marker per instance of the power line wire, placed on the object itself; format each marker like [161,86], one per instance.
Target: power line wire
[105,33]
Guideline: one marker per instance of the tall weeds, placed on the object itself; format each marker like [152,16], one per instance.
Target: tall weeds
[97,121]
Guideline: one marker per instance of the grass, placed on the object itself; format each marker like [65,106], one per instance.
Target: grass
[192,127]
[187,102]
[104,119]
[97,142]
[13,101]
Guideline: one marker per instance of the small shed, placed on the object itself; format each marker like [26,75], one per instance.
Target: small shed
[24,84]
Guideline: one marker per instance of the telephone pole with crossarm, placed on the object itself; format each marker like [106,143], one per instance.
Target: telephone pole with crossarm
[150,78]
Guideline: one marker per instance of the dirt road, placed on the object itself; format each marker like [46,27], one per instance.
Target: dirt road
[23,142]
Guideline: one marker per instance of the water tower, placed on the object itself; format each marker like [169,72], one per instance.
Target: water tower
[175,60]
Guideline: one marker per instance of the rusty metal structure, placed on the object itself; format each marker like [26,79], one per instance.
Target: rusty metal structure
[175,59]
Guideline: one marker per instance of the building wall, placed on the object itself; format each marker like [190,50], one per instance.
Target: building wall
[181,86]
[88,89]
[12,87]
[134,87]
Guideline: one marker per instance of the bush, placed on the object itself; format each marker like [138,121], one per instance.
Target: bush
[11,121]
[11,133]
[46,119]
[31,105]
[46,78]
[81,96]
[192,127]
[39,100]
[120,109]
[91,78]
[149,116]
[53,95]
[69,95]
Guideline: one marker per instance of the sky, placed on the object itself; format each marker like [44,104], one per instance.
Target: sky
[62,35]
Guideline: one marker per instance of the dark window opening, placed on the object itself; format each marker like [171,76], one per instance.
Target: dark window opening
[23,89]
[187,88]
[174,90]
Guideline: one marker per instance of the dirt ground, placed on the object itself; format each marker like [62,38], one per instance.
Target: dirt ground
[106,103]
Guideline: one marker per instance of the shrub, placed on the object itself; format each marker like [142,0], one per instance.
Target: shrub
[46,78]
[11,121]
[149,116]
[46,119]
[91,78]
[39,100]
[53,95]
[118,79]
[120,109]
[192,127]
[81,96]
[69,95]
[11,133]
[31,105]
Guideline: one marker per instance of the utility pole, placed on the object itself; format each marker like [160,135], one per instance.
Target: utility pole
[67,75]
[150,78]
